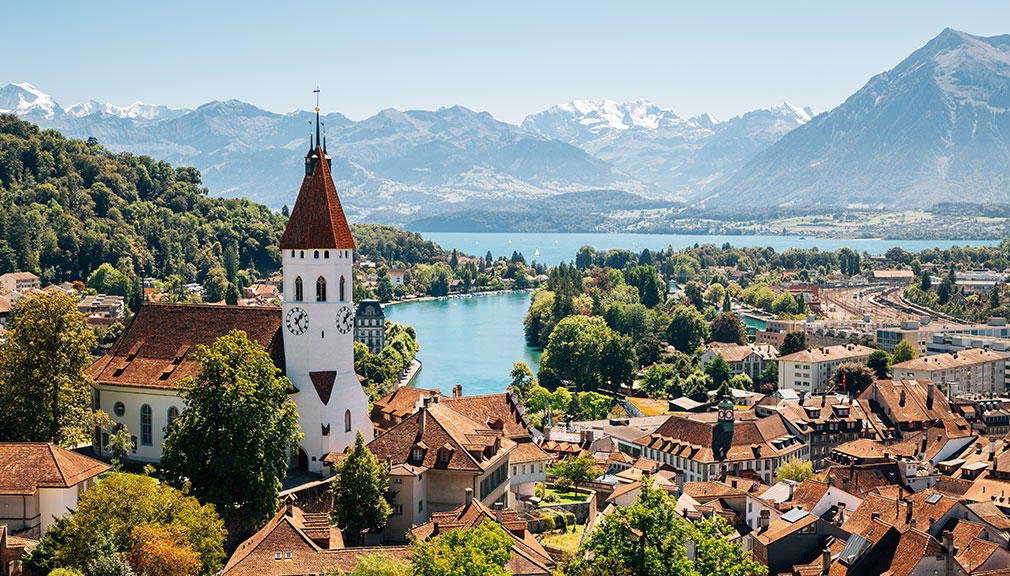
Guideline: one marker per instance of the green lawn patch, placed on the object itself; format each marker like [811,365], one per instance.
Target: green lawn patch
[565,496]
[567,541]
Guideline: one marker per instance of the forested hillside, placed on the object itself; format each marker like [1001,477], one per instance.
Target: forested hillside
[67,206]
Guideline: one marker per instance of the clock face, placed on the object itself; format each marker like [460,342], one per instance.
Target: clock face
[297,321]
[345,319]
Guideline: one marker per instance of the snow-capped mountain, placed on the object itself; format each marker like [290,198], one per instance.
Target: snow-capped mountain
[395,166]
[682,157]
[934,128]
[28,102]
[137,110]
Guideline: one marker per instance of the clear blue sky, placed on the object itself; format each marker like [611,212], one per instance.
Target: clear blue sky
[510,58]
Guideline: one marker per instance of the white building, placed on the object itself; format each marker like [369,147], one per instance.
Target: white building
[40,482]
[810,370]
[750,360]
[310,338]
[974,371]
[18,282]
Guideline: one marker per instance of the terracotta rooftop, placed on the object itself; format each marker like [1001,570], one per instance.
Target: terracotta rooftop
[780,528]
[317,220]
[27,466]
[912,548]
[156,348]
[860,478]
[700,438]
[737,353]
[950,360]
[915,407]
[463,443]
[402,402]
[527,452]
[923,507]
[488,409]
[828,353]
[528,555]
[314,546]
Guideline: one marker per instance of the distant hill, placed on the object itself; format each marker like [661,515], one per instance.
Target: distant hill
[934,128]
[392,167]
[681,157]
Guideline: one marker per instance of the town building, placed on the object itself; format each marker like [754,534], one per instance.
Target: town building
[12,550]
[295,542]
[811,370]
[102,309]
[19,282]
[399,404]
[310,338]
[975,371]
[435,456]
[750,360]
[370,325]
[710,444]
[396,276]
[822,422]
[40,482]
[907,405]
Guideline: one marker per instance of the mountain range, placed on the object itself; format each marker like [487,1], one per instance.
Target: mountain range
[934,128]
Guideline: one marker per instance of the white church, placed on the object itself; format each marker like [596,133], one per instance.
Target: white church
[310,338]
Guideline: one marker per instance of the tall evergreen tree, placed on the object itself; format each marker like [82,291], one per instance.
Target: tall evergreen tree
[360,494]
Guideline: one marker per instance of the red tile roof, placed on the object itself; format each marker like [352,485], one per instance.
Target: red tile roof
[317,220]
[27,466]
[700,438]
[156,348]
[487,408]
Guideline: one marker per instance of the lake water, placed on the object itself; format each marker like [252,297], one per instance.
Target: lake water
[556,248]
[473,341]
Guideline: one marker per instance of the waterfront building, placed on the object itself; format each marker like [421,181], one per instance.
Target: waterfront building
[370,325]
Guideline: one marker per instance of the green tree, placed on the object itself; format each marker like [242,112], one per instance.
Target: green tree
[727,327]
[482,550]
[539,400]
[119,446]
[215,287]
[793,342]
[360,499]
[575,349]
[688,329]
[925,281]
[649,538]
[795,469]
[584,257]
[784,303]
[727,304]
[651,289]
[44,393]
[522,380]
[175,289]
[770,374]
[879,361]
[741,382]
[696,386]
[718,370]
[107,280]
[385,289]
[233,441]
[574,470]
[903,352]
[853,378]
[379,564]
[114,508]
[592,405]
[656,380]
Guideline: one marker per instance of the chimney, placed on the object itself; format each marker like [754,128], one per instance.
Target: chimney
[901,400]
[948,549]
[930,392]
[498,509]
[457,390]
[992,449]
[875,516]
[825,561]
[422,416]
[289,506]
[389,463]
[764,519]
[908,511]
[732,482]
[841,514]
[978,447]
[692,550]
[468,498]
[911,524]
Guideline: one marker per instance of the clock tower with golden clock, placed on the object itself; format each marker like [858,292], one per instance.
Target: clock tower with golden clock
[318,316]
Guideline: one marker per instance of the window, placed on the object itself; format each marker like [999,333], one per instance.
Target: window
[173,413]
[292,253]
[347,421]
[119,408]
[417,454]
[277,555]
[397,510]
[287,555]
[145,425]
[320,289]
[342,294]
[420,505]
[316,255]
[301,254]
[397,480]
[326,254]
[298,289]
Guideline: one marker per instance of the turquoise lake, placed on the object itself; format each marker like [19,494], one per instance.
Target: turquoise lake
[556,248]
[473,341]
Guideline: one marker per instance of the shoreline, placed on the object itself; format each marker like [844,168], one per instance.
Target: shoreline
[458,296]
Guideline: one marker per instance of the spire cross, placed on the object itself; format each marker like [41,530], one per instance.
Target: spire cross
[316,91]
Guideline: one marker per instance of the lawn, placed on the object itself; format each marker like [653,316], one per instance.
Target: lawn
[567,541]
[565,496]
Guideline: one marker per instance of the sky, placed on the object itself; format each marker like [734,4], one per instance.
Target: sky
[510,58]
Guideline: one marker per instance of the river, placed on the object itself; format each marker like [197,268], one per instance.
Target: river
[473,341]
[555,248]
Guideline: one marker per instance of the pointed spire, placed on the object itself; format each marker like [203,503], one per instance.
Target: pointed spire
[317,115]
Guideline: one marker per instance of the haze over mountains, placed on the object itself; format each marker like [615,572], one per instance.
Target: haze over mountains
[935,128]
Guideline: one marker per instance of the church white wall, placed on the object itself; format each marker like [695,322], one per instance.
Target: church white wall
[133,399]
[54,503]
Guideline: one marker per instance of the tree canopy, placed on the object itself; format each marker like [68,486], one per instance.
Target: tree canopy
[482,550]
[360,499]
[233,441]
[585,351]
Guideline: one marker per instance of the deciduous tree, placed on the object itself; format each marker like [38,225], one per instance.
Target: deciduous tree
[793,342]
[718,370]
[360,494]
[727,327]
[233,441]
[482,550]
[687,330]
[795,469]
[853,377]
[903,352]
[879,361]
[575,469]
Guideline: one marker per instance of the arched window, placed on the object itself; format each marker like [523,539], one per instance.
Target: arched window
[342,297]
[326,254]
[301,254]
[347,421]
[292,253]
[298,289]
[316,255]
[320,289]
[173,413]
[145,425]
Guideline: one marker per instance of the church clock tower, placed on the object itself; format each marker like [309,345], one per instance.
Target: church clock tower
[318,311]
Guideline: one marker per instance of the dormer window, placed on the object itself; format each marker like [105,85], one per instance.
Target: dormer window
[444,455]
[417,454]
